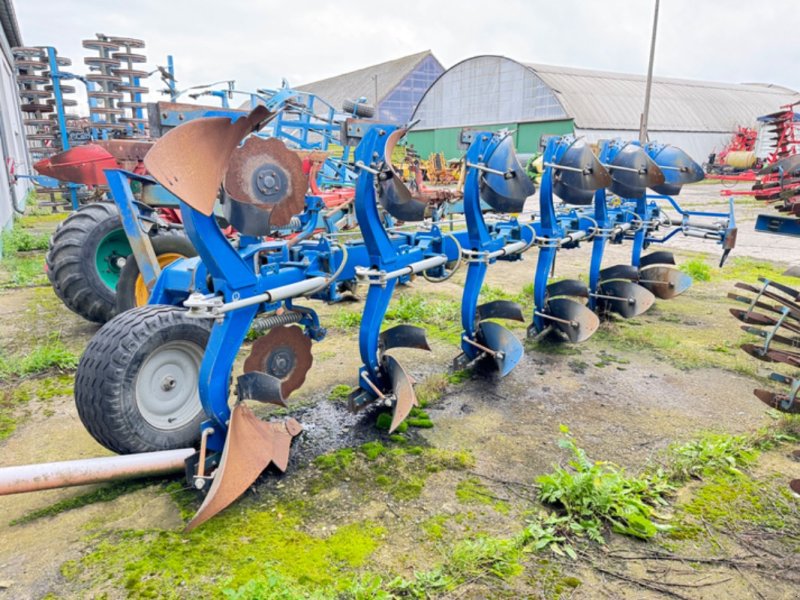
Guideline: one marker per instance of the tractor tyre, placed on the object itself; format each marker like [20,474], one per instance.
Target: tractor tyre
[365,111]
[169,245]
[84,260]
[136,388]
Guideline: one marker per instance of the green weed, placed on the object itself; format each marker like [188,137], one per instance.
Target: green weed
[344,319]
[52,354]
[697,268]
[18,239]
[593,494]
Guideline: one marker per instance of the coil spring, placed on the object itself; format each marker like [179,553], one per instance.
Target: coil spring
[266,323]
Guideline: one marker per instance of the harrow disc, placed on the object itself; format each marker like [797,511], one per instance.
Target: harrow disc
[191,160]
[285,354]
[629,183]
[508,192]
[394,196]
[265,175]
[575,187]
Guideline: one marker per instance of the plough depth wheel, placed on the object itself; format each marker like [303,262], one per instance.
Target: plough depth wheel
[136,385]
[86,255]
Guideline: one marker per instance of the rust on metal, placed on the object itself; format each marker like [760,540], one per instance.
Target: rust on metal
[47,476]
[251,445]
[284,353]
[266,174]
[775,400]
[664,282]
[191,160]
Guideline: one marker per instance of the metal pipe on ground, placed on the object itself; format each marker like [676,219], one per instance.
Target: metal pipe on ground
[48,476]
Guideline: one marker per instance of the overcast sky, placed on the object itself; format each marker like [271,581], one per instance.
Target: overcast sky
[258,43]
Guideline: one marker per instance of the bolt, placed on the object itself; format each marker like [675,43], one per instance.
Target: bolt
[120,261]
[168,383]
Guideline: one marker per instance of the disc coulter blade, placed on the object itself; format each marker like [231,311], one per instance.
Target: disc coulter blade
[284,354]
[191,160]
[265,174]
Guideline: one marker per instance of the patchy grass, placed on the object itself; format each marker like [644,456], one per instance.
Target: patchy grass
[13,401]
[103,494]
[19,239]
[346,319]
[742,268]
[50,354]
[697,268]
[441,317]
[594,494]
[472,491]
[340,393]
[22,271]
[210,558]
[687,346]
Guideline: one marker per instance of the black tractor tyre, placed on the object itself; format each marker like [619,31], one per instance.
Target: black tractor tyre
[165,243]
[136,388]
[365,111]
[71,261]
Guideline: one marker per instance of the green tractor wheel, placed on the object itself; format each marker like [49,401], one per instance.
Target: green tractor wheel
[85,258]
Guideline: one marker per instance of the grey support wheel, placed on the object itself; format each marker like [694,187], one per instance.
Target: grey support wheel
[136,386]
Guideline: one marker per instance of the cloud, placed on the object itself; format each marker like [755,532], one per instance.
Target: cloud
[259,43]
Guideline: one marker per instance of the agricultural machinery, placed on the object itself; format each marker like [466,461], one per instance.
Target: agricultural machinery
[773,315]
[154,382]
[88,261]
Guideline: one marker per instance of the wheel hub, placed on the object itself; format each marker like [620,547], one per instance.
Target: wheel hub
[166,385]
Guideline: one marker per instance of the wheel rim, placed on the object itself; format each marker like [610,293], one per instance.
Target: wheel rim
[110,256]
[166,385]
[141,293]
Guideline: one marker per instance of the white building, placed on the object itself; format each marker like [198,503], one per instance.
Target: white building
[13,149]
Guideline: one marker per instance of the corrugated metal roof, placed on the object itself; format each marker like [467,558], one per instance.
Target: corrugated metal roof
[355,84]
[603,100]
